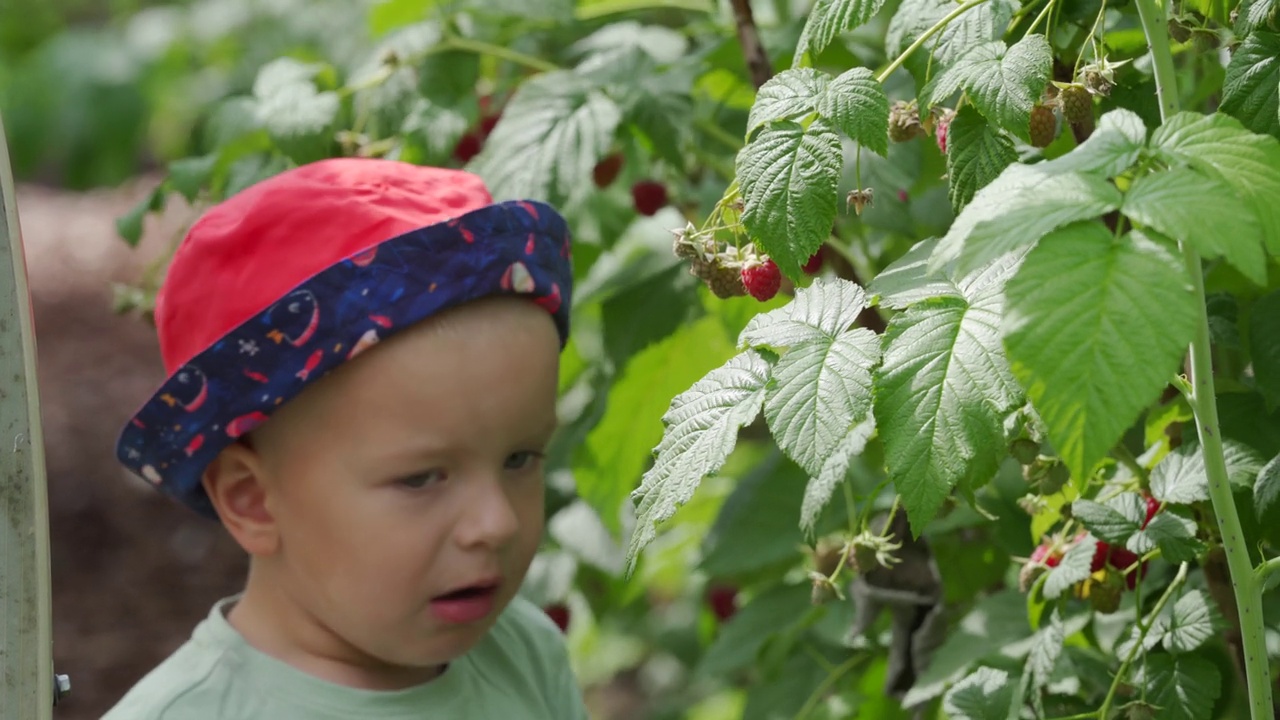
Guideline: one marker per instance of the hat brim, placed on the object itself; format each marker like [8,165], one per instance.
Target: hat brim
[513,248]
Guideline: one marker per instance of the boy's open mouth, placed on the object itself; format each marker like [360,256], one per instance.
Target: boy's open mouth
[469,592]
[468,603]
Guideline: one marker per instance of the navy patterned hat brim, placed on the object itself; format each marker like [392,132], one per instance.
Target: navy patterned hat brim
[512,248]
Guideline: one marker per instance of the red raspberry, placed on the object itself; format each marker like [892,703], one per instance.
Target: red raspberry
[815,261]
[1100,557]
[468,146]
[1153,507]
[1044,554]
[606,171]
[940,130]
[649,196]
[1122,559]
[559,614]
[488,122]
[723,600]
[762,280]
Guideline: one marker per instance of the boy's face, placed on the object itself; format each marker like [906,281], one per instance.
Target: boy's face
[411,473]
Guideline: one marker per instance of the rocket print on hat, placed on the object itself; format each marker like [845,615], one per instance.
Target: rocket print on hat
[294,319]
[189,389]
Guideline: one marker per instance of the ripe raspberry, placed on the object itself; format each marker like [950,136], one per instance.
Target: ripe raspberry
[1100,554]
[559,614]
[1153,507]
[904,121]
[1077,104]
[940,130]
[762,280]
[468,147]
[1043,127]
[815,262]
[723,600]
[1046,555]
[606,171]
[488,123]
[649,196]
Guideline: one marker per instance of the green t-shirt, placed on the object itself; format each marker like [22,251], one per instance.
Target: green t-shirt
[519,671]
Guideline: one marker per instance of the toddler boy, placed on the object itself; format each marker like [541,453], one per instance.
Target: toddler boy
[363,360]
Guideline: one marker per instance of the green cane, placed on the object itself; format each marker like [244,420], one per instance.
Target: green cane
[27,685]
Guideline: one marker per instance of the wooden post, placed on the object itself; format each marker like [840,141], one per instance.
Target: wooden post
[26,648]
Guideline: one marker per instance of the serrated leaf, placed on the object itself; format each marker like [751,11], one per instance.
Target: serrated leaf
[1174,535]
[1181,479]
[825,309]
[1073,568]
[189,175]
[983,695]
[982,23]
[909,280]
[1193,622]
[1045,651]
[821,487]
[1094,329]
[1254,14]
[1219,143]
[298,117]
[856,104]
[789,176]
[741,639]
[830,18]
[1184,687]
[1002,84]
[941,394]
[1018,208]
[554,130]
[1110,150]
[820,389]
[1203,211]
[1264,346]
[701,429]
[789,95]
[1251,90]
[977,153]
[1266,491]
[1116,520]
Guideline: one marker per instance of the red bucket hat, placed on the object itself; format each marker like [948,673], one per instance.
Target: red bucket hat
[286,280]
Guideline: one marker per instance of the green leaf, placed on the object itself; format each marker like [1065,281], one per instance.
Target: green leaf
[1251,90]
[1002,85]
[1264,346]
[1114,521]
[1174,535]
[189,175]
[1194,620]
[857,105]
[980,24]
[941,394]
[1110,150]
[616,452]
[789,95]
[1184,687]
[1181,479]
[554,130]
[834,470]
[1219,144]
[1095,328]
[741,639]
[1254,14]
[299,118]
[1203,211]
[789,177]
[1073,568]
[1266,491]
[701,429]
[977,153]
[1018,208]
[825,309]
[830,18]
[909,280]
[1045,651]
[129,225]
[984,695]
[822,384]
[388,15]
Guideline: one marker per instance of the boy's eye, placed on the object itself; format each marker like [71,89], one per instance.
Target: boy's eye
[523,459]
[422,480]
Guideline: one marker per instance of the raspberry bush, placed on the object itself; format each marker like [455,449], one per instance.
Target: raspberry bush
[1009,448]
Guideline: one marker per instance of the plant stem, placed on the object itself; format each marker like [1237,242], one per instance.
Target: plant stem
[619,7]
[1105,710]
[481,47]
[1204,405]
[749,39]
[937,27]
[1043,14]
[1265,570]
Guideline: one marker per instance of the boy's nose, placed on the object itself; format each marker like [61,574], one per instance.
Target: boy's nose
[489,517]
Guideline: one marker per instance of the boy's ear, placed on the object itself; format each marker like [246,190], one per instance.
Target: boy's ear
[235,484]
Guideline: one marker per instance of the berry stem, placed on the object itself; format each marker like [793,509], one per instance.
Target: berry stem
[619,7]
[1203,401]
[924,37]
[1048,7]
[1105,711]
